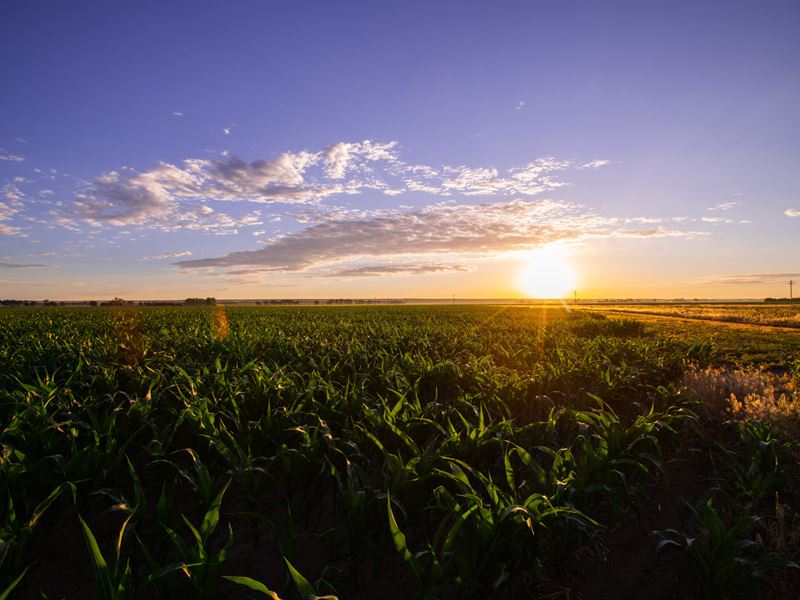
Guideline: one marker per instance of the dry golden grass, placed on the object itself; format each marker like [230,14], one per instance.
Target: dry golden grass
[787,315]
[749,394]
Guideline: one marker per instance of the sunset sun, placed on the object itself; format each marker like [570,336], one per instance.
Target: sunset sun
[547,273]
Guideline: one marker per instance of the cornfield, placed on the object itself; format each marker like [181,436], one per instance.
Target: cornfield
[392,452]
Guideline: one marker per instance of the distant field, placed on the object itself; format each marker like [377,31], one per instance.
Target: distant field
[741,335]
[781,315]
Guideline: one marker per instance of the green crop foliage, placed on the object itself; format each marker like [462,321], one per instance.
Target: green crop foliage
[497,442]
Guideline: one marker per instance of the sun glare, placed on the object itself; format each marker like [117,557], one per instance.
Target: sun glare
[547,273]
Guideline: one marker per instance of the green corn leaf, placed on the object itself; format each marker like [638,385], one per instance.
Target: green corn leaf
[101,570]
[6,593]
[252,584]
[399,540]
[300,582]
[211,517]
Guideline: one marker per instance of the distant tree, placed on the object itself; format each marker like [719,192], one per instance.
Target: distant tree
[200,301]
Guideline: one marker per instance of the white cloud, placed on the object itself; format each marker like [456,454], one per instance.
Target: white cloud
[10,205]
[644,220]
[170,255]
[530,179]
[725,206]
[520,105]
[395,270]
[11,157]
[226,130]
[177,113]
[139,198]
[128,197]
[337,158]
[10,265]
[792,212]
[437,233]
[756,278]
[595,164]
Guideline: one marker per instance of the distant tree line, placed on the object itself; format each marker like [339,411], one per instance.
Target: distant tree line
[361,301]
[782,300]
[17,302]
[200,301]
[209,301]
[273,302]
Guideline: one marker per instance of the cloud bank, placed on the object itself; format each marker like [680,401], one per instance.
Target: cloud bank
[11,265]
[418,241]
[756,278]
[163,193]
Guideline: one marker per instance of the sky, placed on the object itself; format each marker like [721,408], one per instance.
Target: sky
[246,149]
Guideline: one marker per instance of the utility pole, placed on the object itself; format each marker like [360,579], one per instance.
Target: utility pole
[454,299]
[791,284]
[575,296]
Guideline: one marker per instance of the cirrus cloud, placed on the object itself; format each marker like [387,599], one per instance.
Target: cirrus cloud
[12,265]
[753,278]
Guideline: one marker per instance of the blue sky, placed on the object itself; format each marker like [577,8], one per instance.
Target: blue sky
[318,149]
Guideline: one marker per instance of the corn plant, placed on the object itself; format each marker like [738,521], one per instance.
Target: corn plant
[726,560]
[202,564]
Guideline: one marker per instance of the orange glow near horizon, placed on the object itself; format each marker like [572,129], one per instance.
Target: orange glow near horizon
[547,273]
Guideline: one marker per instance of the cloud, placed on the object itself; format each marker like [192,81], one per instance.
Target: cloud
[338,157]
[177,113]
[439,231]
[520,105]
[391,270]
[11,157]
[10,265]
[169,255]
[595,164]
[155,196]
[226,130]
[531,179]
[792,212]
[725,206]
[10,205]
[752,278]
